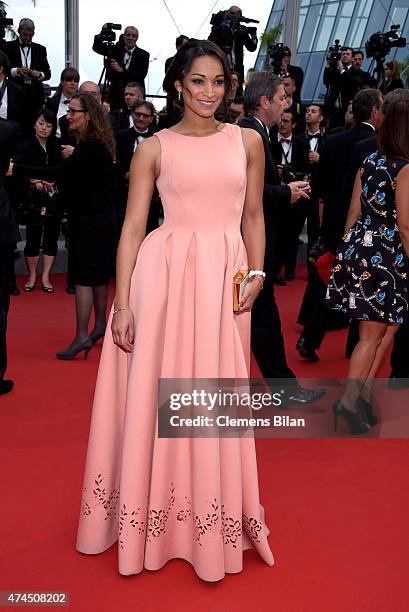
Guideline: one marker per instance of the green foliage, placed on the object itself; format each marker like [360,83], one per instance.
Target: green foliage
[271,36]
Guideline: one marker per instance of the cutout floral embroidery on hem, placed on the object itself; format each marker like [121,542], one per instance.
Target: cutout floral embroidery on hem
[152,522]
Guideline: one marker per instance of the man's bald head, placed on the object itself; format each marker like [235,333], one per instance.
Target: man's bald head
[91,88]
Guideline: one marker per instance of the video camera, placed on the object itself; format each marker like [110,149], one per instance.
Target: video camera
[379,44]
[227,27]
[334,54]
[4,22]
[277,53]
[108,35]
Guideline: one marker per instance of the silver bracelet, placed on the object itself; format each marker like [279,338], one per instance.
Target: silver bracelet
[257,273]
[119,310]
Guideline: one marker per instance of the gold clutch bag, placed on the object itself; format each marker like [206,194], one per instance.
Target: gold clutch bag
[240,280]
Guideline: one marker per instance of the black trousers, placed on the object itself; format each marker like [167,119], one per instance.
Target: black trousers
[399,360]
[315,313]
[267,342]
[4,307]
[42,232]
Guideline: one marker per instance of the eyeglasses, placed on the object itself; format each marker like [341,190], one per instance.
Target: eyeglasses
[139,115]
[72,111]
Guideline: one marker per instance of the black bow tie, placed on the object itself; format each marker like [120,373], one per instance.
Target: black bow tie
[23,46]
[311,136]
[67,101]
[144,134]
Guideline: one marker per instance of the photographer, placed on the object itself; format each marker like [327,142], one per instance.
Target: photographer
[343,81]
[231,35]
[295,72]
[125,61]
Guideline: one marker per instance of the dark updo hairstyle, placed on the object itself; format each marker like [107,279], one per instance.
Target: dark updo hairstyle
[182,63]
[393,134]
[48,117]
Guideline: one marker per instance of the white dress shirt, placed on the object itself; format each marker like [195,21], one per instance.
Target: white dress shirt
[287,148]
[4,103]
[62,110]
[25,53]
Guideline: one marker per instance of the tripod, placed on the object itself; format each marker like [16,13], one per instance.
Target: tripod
[378,69]
[104,82]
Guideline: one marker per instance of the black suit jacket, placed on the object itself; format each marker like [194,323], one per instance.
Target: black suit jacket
[333,173]
[313,167]
[16,105]
[39,59]
[361,150]
[299,153]
[9,233]
[136,71]
[343,86]
[52,104]
[276,197]
[298,75]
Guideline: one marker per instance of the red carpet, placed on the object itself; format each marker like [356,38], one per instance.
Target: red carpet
[337,509]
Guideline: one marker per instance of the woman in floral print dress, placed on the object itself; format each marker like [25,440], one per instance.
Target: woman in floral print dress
[369,276]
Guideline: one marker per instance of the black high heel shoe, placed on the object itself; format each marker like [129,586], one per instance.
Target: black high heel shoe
[353,419]
[95,337]
[365,408]
[69,354]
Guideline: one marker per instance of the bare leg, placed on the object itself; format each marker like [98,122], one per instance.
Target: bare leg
[371,334]
[386,340]
[47,265]
[32,263]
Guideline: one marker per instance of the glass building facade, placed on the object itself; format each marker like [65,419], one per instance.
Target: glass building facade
[351,21]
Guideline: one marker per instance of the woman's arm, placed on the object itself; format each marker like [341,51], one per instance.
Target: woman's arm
[402,206]
[253,229]
[355,206]
[145,168]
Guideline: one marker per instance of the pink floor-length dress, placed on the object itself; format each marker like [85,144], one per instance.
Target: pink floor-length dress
[190,498]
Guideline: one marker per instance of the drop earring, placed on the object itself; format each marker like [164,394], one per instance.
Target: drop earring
[179,96]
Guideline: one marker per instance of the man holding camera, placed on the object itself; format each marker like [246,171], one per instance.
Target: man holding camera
[126,62]
[231,36]
[343,81]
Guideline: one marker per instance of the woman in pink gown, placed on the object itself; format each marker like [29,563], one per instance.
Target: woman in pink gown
[190,498]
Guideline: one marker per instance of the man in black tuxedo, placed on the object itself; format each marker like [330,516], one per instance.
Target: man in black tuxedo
[9,235]
[335,196]
[180,41]
[127,140]
[343,81]
[314,137]
[295,72]
[29,67]
[264,102]
[12,98]
[126,63]
[291,156]
[229,21]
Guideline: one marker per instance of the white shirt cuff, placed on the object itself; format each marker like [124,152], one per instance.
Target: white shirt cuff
[14,72]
